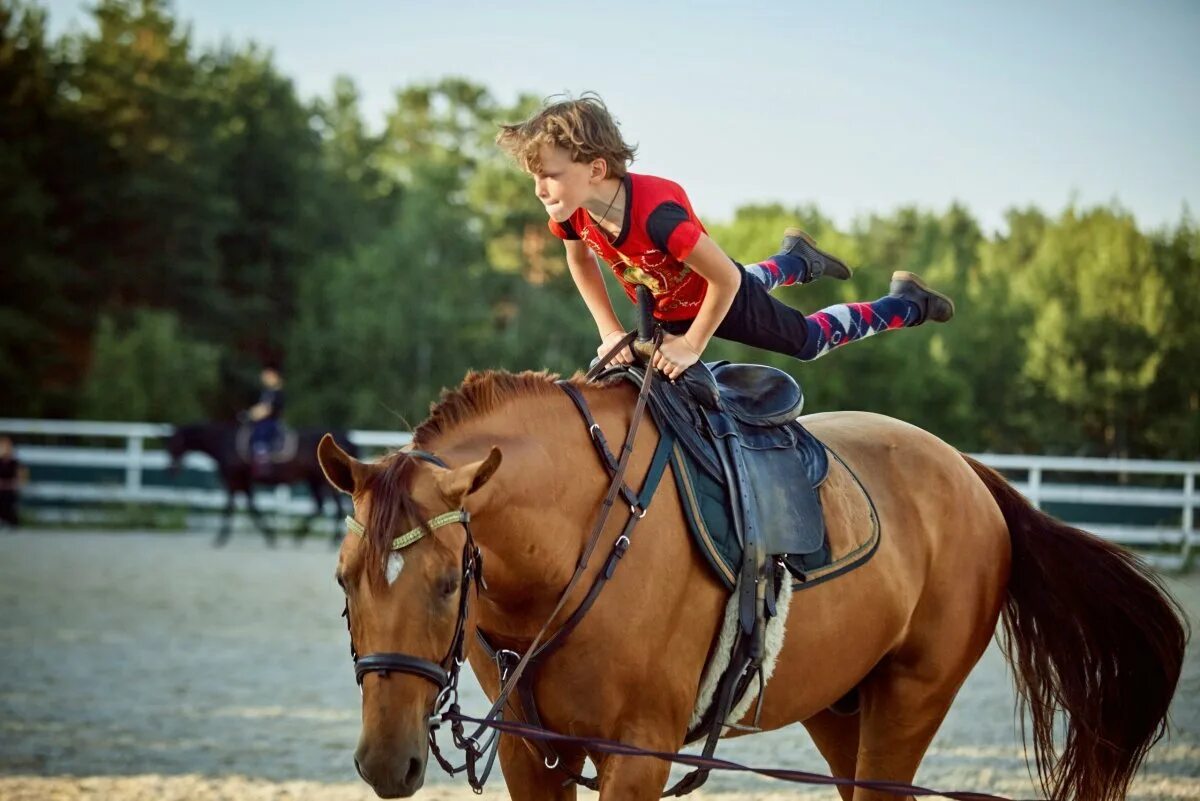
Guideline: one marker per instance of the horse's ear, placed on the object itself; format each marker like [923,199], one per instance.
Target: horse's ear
[455,485]
[340,468]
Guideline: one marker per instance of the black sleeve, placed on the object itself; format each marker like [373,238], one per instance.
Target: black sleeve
[663,221]
[569,229]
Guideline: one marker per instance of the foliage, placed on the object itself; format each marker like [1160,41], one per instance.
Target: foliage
[172,217]
[148,371]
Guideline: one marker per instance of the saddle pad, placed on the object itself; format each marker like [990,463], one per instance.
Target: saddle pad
[851,523]
[718,663]
[286,451]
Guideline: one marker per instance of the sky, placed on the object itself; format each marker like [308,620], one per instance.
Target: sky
[857,107]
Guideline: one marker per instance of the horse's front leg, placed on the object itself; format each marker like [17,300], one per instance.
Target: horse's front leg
[318,495]
[226,519]
[629,778]
[527,776]
[267,532]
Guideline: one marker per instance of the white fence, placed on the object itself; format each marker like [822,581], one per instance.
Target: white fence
[1169,542]
[133,459]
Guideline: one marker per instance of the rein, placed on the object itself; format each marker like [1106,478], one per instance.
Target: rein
[446,674]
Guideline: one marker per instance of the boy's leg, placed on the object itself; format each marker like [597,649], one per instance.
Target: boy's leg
[799,260]
[8,507]
[759,320]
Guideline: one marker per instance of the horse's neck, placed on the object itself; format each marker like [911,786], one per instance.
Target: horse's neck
[540,509]
[216,441]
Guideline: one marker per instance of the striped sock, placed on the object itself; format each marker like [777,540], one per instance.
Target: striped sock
[782,269]
[838,325]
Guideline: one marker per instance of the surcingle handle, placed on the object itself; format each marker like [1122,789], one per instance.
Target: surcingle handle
[645,338]
[645,313]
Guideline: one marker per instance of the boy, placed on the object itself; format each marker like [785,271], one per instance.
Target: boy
[645,228]
[266,414]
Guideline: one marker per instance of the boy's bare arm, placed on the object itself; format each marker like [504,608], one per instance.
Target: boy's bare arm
[586,273]
[723,279]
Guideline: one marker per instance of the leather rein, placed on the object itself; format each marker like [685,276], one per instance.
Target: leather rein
[445,674]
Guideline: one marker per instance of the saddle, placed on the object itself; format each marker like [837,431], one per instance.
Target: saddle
[283,448]
[733,429]
[737,428]
[737,425]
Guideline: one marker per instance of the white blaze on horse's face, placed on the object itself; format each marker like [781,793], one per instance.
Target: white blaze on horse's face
[394,566]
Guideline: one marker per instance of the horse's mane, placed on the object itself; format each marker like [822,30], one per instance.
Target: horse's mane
[480,393]
[393,509]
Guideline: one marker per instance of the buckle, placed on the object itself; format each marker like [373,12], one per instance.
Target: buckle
[503,665]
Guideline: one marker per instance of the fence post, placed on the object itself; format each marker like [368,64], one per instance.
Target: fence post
[133,465]
[1035,486]
[1189,503]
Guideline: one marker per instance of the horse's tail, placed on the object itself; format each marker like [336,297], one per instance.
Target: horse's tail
[1091,632]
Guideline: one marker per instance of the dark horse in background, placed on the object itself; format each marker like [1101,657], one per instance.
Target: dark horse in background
[221,440]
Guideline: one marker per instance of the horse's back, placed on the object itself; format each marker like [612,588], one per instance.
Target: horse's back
[933,582]
[944,548]
[920,484]
[897,460]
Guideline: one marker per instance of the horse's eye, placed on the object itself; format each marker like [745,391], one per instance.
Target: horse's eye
[449,585]
[341,581]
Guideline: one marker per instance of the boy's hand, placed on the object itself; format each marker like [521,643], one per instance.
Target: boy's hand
[675,355]
[623,356]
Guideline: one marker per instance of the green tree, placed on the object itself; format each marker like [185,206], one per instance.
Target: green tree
[149,371]
[151,220]
[357,197]
[380,332]
[1095,341]
[267,161]
[32,272]
[1173,399]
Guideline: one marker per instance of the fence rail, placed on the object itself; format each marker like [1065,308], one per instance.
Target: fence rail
[1098,506]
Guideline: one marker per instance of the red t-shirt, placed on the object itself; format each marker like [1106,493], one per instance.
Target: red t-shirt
[658,233]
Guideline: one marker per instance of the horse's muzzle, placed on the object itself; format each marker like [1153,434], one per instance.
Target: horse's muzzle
[392,773]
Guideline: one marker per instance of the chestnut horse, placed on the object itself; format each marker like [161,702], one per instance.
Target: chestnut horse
[1090,631]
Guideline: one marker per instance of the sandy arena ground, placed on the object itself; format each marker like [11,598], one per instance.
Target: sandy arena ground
[151,666]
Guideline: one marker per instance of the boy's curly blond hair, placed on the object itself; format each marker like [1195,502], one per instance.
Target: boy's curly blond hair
[582,127]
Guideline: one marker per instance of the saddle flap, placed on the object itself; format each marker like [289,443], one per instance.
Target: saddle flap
[786,502]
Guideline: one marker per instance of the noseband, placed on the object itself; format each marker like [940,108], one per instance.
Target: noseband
[445,673]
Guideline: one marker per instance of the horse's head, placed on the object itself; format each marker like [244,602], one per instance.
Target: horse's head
[407,570]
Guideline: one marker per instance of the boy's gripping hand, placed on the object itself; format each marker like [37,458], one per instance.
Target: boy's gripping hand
[675,355]
[623,356]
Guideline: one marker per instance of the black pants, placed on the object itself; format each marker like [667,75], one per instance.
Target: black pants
[758,320]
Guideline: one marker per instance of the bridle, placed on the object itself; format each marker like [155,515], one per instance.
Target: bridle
[443,674]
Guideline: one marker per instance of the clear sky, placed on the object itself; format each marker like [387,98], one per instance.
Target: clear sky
[858,107]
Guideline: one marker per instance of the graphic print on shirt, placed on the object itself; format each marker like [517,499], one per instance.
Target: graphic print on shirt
[636,258]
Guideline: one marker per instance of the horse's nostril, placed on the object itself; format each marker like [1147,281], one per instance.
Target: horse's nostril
[414,772]
[358,768]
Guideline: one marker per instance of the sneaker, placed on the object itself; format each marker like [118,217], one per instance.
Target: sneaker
[933,305]
[820,263]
